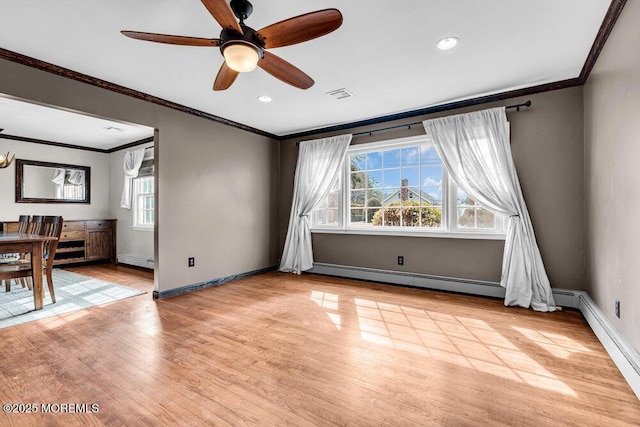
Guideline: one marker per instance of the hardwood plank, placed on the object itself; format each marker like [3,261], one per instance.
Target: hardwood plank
[281,349]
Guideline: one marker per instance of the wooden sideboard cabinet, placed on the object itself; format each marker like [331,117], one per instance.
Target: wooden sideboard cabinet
[82,240]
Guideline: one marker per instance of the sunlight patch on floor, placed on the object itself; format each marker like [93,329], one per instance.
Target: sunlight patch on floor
[325,299]
[61,319]
[558,345]
[330,302]
[462,341]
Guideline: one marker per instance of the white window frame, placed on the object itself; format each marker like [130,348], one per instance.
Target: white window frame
[135,208]
[449,227]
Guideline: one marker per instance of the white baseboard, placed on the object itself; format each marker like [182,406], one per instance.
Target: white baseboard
[626,358]
[135,260]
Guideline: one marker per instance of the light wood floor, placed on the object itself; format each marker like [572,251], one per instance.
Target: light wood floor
[281,349]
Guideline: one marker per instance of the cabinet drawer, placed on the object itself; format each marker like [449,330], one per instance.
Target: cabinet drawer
[72,225]
[99,225]
[11,227]
[72,235]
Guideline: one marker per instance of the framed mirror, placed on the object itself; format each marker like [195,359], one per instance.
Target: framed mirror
[45,182]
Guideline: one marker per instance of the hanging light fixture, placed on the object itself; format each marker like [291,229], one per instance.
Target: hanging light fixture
[5,160]
[241,56]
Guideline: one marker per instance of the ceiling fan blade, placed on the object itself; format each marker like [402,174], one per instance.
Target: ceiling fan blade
[169,39]
[281,69]
[225,78]
[301,28]
[221,12]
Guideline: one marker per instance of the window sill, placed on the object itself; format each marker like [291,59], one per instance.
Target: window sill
[436,234]
[141,228]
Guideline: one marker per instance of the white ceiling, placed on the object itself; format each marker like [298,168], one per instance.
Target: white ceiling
[384,53]
[32,120]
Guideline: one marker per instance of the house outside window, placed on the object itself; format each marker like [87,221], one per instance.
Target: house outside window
[401,187]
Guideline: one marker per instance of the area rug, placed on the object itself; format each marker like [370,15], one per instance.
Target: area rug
[73,292]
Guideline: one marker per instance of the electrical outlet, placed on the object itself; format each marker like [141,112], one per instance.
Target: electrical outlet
[618,308]
[400,260]
[192,262]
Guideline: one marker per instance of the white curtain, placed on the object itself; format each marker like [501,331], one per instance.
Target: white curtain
[318,163]
[58,179]
[132,162]
[76,177]
[475,150]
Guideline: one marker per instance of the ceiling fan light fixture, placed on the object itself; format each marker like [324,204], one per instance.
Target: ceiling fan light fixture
[447,43]
[241,57]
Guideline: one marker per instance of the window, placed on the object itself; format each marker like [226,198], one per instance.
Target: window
[143,202]
[400,186]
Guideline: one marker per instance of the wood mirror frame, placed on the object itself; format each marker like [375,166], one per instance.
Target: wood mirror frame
[22,198]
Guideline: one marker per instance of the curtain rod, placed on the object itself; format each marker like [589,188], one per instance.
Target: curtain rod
[408,125]
[516,106]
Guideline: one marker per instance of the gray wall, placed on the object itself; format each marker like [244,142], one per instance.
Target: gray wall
[217,185]
[612,153]
[547,145]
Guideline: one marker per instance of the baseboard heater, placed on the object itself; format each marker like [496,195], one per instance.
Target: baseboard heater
[135,260]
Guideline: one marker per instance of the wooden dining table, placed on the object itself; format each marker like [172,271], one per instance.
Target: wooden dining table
[32,243]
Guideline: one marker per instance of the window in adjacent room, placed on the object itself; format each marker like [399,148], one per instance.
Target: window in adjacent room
[144,197]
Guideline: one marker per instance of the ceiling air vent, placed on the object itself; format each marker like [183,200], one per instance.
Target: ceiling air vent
[340,93]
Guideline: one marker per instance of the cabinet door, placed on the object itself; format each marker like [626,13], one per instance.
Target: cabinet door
[99,244]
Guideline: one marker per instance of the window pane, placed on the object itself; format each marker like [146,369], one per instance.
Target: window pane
[411,217]
[319,217]
[144,201]
[411,175]
[431,175]
[374,179]
[357,198]
[358,180]
[431,217]
[370,214]
[392,216]
[377,216]
[326,217]
[485,218]
[391,178]
[357,216]
[332,199]
[464,199]
[332,216]
[375,198]
[467,217]
[429,154]
[391,159]
[431,196]
[358,162]
[392,197]
[374,160]
[410,156]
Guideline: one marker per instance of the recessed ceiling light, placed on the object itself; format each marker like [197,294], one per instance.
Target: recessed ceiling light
[264,98]
[447,43]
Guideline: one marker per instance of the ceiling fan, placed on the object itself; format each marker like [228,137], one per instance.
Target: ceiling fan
[245,48]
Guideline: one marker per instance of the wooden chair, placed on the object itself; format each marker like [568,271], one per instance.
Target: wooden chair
[23,223]
[23,226]
[50,226]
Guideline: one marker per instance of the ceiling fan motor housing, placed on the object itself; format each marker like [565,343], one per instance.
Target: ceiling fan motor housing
[229,37]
